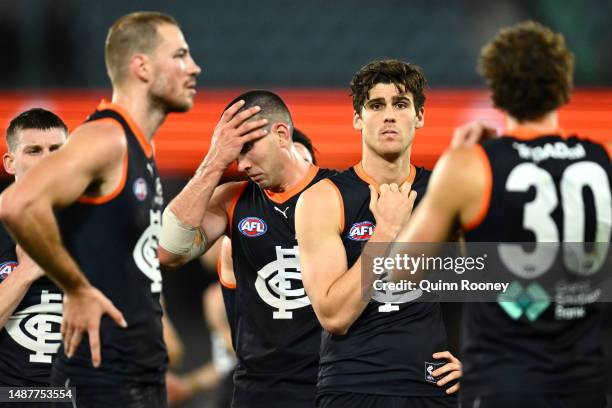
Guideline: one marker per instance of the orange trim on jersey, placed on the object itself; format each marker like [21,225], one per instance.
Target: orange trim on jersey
[340,201]
[223,283]
[485,200]
[108,197]
[232,207]
[280,198]
[142,140]
[361,173]
[528,132]
[608,148]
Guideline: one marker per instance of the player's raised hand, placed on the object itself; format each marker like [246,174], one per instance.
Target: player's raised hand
[392,205]
[472,133]
[28,265]
[232,132]
[83,310]
[450,371]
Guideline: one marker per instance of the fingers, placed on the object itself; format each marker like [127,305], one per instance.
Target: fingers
[247,127]
[254,135]
[471,134]
[452,376]
[373,197]
[453,389]
[231,111]
[405,187]
[412,198]
[94,343]
[66,330]
[445,355]
[115,314]
[239,118]
[73,342]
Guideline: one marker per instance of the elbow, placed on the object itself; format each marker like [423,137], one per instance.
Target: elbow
[11,210]
[335,326]
[169,260]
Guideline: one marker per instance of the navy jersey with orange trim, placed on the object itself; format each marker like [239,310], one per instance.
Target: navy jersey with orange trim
[277,333]
[389,347]
[228,292]
[31,337]
[114,241]
[544,189]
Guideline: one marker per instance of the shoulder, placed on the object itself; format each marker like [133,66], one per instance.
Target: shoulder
[226,194]
[321,202]
[105,138]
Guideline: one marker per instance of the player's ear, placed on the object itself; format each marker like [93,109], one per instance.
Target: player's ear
[420,118]
[282,133]
[357,122]
[140,66]
[9,163]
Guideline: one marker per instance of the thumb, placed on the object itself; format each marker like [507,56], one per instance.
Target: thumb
[373,197]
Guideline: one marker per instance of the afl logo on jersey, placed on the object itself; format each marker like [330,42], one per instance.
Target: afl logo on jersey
[361,231]
[6,268]
[140,189]
[252,227]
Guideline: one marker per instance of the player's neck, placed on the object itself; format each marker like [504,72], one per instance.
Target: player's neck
[295,169]
[147,118]
[547,124]
[385,171]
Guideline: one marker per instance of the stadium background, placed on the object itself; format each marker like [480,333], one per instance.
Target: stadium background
[52,56]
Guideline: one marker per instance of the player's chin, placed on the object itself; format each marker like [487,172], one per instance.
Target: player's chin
[180,106]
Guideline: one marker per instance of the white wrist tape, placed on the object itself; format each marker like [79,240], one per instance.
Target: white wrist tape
[179,239]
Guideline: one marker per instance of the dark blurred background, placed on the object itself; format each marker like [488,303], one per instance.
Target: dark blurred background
[316,43]
[52,56]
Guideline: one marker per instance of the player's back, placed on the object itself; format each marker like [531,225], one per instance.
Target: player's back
[543,335]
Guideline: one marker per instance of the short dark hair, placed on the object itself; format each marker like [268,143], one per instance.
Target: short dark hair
[528,69]
[133,33]
[272,106]
[301,138]
[405,76]
[36,118]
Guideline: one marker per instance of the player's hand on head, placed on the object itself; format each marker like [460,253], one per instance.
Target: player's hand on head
[451,371]
[233,131]
[392,205]
[472,133]
[83,310]
[27,264]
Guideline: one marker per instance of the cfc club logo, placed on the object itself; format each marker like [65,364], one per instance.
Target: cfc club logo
[6,268]
[252,227]
[361,231]
[37,328]
[140,189]
[279,283]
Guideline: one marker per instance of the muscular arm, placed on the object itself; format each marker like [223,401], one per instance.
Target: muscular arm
[213,223]
[334,289]
[200,206]
[91,162]
[12,291]
[26,207]
[445,204]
